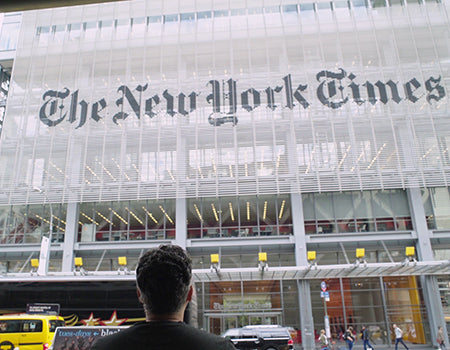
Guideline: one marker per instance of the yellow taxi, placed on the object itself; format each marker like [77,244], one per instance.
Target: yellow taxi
[28,332]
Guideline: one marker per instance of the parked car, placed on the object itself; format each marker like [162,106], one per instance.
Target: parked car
[261,337]
[24,331]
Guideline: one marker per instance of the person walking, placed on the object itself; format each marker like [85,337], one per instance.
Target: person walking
[323,341]
[441,338]
[398,337]
[163,277]
[365,338]
[349,337]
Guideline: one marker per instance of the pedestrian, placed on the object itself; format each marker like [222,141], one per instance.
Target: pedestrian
[163,277]
[349,337]
[441,338]
[323,341]
[398,337]
[365,338]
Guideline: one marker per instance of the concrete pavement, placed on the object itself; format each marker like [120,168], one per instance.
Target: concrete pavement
[359,346]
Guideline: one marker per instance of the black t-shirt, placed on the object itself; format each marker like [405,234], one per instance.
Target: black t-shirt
[164,335]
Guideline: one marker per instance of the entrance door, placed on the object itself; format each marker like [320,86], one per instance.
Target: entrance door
[219,323]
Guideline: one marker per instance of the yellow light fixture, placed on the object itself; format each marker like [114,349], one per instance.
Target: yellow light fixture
[360,253]
[410,251]
[122,260]
[214,258]
[78,262]
[311,255]
[262,256]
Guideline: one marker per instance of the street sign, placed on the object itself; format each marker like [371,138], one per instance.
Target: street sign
[325,295]
[323,286]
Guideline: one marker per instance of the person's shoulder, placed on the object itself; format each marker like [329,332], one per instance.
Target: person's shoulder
[114,341]
[205,340]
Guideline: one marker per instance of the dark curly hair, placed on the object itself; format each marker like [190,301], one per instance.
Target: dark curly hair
[164,276]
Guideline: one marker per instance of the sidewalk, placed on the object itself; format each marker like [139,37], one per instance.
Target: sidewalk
[359,346]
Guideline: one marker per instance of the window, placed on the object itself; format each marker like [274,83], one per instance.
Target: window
[32,326]
[53,324]
[356,211]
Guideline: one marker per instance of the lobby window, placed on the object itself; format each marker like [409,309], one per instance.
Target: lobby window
[436,202]
[127,220]
[28,223]
[356,211]
[246,216]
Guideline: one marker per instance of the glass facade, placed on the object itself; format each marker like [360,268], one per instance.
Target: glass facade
[130,220]
[437,207]
[374,303]
[239,216]
[356,211]
[149,110]
[213,126]
[29,223]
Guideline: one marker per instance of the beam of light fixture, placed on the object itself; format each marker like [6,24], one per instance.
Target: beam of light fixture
[200,172]
[167,215]
[265,210]
[48,174]
[134,215]
[150,215]
[279,158]
[170,174]
[230,167]
[427,152]
[104,217]
[135,168]
[231,211]
[357,161]
[119,217]
[89,218]
[376,156]
[107,171]
[120,169]
[92,172]
[58,169]
[344,156]
[48,222]
[215,212]
[214,164]
[198,212]
[248,211]
[283,203]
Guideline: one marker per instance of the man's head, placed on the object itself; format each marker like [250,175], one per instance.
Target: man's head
[163,278]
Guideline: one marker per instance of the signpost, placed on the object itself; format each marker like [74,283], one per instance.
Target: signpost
[326,297]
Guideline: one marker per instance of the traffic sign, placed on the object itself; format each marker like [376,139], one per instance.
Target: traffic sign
[323,286]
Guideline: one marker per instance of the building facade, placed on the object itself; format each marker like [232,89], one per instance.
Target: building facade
[232,128]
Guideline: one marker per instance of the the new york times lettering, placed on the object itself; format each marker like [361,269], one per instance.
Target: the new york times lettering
[226,101]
